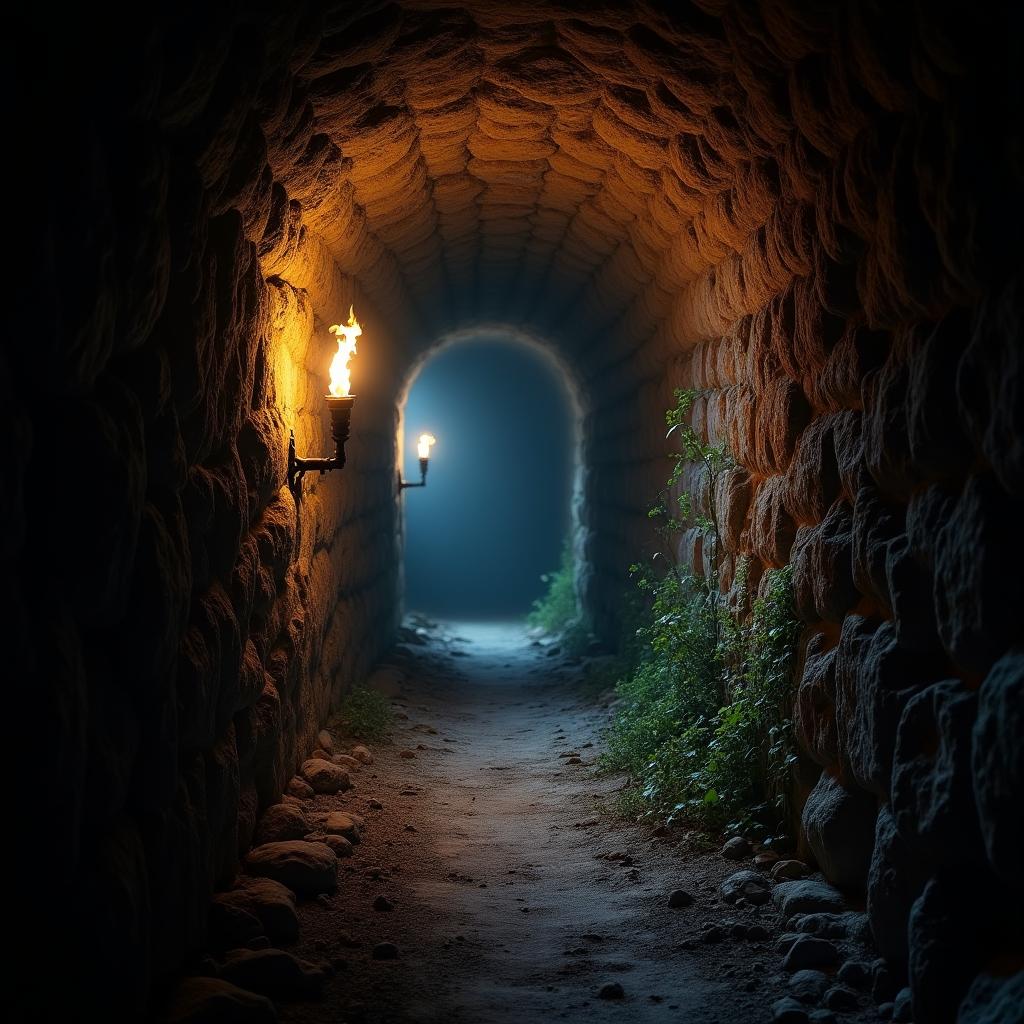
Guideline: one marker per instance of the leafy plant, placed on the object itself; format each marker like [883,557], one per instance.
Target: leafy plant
[704,728]
[557,609]
[365,713]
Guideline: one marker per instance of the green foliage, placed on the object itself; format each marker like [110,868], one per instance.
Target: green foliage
[556,611]
[704,728]
[366,714]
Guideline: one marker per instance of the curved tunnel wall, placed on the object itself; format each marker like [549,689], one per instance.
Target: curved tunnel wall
[800,210]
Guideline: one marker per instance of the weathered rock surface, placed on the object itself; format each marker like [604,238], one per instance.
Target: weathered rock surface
[840,828]
[807,896]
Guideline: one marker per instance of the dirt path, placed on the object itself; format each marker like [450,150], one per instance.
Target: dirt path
[487,844]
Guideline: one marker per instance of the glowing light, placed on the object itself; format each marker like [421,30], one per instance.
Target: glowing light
[425,444]
[341,379]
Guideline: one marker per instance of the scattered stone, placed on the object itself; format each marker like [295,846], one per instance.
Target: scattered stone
[320,755]
[680,898]
[342,823]
[822,1017]
[611,990]
[840,998]
[903,1007]
[569,753]
[407,754]
[385,951]
[271,903]
[765,859]
[281,822]
[346,762]
[305,868]
[788,1011]
[340,845]
[808,986]
[362,754]
[749,885]
[294,801]
[326,741]
[375,805]
[325,777]
[411,828]
[758,933]
[199,1000]
[810,952]
[423,727]
[574,760]
[737,848]
[826,926]
[855,973]
[383,903]
[300,789]
[806,897]
[789,870]
[273,973]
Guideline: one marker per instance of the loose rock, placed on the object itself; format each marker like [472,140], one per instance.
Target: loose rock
[339,844]
[305,868]
[407,754]
[788,1011]
[272,972]
[737,848]
[300,789]
[680,898]
[281,822]
[346,762]
[839,998]
[748,885]
[272,903]
[326,741]
[325,777]
[341,823]
[383,903]
[362,754]
[806,897]
[385,951]
[788,870]
[808,986]
[611,990]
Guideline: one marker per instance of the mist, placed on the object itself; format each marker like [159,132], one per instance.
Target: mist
[495,512]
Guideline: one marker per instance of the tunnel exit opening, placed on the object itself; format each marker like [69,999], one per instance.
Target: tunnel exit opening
[504,505]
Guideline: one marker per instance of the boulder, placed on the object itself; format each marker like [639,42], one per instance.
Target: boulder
[808,986]
[808,952]
[341,823]
[325,777]
[737,848]
[305,868]
[281,822]
[992,999]
[273,973]
[840,827]
[270,902]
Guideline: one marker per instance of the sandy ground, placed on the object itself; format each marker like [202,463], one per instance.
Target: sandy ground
[488,844]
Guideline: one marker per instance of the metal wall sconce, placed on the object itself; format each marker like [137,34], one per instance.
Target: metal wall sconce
[426,441]
[339,403]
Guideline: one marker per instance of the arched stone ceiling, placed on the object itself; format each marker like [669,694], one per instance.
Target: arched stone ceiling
[599,169]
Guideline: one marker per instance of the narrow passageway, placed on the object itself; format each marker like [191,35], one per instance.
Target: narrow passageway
[514,894]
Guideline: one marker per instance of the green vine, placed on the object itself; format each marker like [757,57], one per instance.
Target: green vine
[704,729]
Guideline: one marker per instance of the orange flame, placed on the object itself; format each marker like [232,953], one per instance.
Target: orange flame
[341,378]
[425,444]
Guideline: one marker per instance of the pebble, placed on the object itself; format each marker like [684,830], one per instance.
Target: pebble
[766,858]
[680,898]
[362,754]
[383,903]
[340,845]
[611,990]
[574,760]
[737,848]
[344,761]
[738,931]
[810,952]
[341,823]
[407,754]
[385,951]
[376,805]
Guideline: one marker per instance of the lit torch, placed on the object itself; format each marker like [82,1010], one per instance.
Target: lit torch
[340,400]
[423,446]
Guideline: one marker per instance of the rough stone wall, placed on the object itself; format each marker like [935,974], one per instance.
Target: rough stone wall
[801,209]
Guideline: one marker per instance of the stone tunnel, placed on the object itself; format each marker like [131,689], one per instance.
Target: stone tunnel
[809,212]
